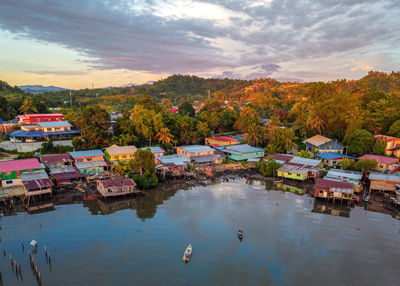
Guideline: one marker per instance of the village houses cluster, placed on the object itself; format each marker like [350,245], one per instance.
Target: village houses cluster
[38,176]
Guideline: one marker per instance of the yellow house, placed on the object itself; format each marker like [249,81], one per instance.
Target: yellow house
[120,153]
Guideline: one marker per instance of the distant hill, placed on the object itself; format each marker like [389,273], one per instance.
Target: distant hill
[40,88]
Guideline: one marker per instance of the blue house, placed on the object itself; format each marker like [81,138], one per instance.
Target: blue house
[332,158]
[323,144]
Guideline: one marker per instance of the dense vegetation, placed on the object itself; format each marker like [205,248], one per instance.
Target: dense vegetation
[350,111]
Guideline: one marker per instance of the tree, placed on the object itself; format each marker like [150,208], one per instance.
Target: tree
[346,164]
[254,135]
[268,168]
[394,129]
[164,136]
[186,108]
[28,107]
[280,140]
[359,142]
[166,103]
[144,163]
[366,165]
[304,154]
[248,116]
[379,147]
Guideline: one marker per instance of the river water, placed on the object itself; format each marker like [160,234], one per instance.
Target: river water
[289,239]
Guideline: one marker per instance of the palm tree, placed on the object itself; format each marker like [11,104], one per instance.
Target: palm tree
[164,136]
[27,107]
[254,135]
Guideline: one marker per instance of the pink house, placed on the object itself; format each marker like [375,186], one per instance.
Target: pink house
[385,163]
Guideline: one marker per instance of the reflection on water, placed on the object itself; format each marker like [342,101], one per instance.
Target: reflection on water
[289,188]
[330,208]
[288,240]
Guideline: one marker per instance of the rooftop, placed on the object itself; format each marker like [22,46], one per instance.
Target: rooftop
[173,159]
[21,133]
[116,150]
[93,164]
[44,114]
[305,161]
[297,168]
[205,158]
[380,159]
[55,124]
[86,153]
[154,149]
[28,176]
[117,182]
[386,138]
[344,174]
[18,165]
[196,148]
[222,138]
[243,148]
[317,140]
[384,177]
[279,157]
[334,186]
[333,155]
[55,159]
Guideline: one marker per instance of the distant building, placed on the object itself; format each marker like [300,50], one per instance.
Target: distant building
[90,162]
[199,154]
[44,131]
[345,176]
[323,144]
[27,119]
[238,137]
[61,168]
[173,110]
[384,163]
[384,182]
[11,171]
[157,151]
[118,186]
[300,169]
[332,158]
[219,141]
[243,152]
[36,183]
[392,144]
[332,190]
[116,153]
[176,160]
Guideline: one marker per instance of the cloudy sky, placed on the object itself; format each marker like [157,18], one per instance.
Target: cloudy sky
[76,43]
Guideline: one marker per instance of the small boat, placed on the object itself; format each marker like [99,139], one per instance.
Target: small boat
[240,234]
[188,253]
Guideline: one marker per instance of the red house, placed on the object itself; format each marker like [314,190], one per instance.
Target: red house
[35,118]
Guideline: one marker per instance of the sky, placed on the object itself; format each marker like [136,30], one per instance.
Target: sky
[84,43]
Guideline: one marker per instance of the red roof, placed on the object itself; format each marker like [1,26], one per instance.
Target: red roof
[117,182]
[55,159]
[67,175]
[222,139]
[386,138]
[18,165]
[173,110]
[45,115]
[321,183]
[380,159]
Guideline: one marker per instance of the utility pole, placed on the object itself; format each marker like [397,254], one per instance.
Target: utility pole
[70,98]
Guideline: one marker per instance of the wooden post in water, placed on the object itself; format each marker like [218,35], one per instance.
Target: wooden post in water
[23,247]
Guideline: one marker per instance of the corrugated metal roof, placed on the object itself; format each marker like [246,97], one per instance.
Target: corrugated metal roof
[333,155]
[222,139]
[117,182]
[379,158]
[117,150]
[54,124]
[173,159]
[86,153]
[317,140]
[154,149]
[342,174]
[18,165]
[384,177]
[205,158]
[334,186]
[28,176]
[196,148]
[92,164]
[55,159]
[21,133]
[305,161]
[243,148]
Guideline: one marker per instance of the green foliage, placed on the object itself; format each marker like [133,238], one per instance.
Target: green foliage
[148,180]
[366,165]
[268,168]
[304,154]
[360,141]
[379,147]
[186,108]
[394,129]
[191,168]
[346,164]
[280,140]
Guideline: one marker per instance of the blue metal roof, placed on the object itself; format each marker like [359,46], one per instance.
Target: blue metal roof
[196,148]
[21,133]
[86,153]
[54,124]
[241,149]
[332,155]
[154,149]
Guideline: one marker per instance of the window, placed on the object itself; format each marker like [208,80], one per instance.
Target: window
[89,159]
[9,182]
[289,174]
[131,155]
[124,156]
[298,175]
[79,160]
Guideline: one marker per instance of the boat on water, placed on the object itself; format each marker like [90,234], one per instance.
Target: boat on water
[188,253]
[240,234]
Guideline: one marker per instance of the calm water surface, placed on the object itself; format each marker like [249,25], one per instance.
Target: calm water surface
[288,240]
